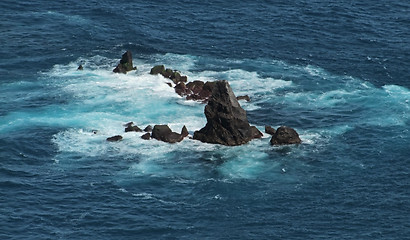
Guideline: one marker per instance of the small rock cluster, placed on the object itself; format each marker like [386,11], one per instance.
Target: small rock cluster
[227,122]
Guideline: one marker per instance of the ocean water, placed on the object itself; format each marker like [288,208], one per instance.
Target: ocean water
[336,71]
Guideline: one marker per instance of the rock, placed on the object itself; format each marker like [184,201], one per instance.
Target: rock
[175,77]
[256,133]
[181,89]
[165,134]
[227,122]
[197,90]
[114,138]
[94,131]
[169,84]
[195,87]
[148,128]
[131,128]
[285,135]
[128,124]
[125,64]
[146,136]
[184,131]
[158,69]
[245,97]
[183,79]
[269,130]
[80,67]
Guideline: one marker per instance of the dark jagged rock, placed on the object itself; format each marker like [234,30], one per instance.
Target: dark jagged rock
[148,128]
[174,75]
[269,130]
[146,136]
[285,135]
[131,128]
[80,67]
[256,133]
[181,89]
[125,64]
[183,79]
[114,138]
[195,87]
[196,90]
[227,122]
[184,131]
[169,84]
[157,69]
[165,134]
[245,97]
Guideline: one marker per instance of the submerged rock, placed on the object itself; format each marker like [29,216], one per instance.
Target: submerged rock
[227,123]
[125,64]
[245,97]
[285,135]
[115,138]
[165,134]
[80,68]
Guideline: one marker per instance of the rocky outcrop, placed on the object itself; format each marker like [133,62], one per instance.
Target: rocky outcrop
[174,75]
[115,138]
[125,64]
[285,135]
[165,134]
[227,123]
[80,67]
[269,130]
[130,127]
[196,90]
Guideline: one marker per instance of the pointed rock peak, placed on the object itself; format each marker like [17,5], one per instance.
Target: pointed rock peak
[125,64]
[227,122]
[184,131]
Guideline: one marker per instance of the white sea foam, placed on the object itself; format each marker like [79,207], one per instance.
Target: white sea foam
[103,100]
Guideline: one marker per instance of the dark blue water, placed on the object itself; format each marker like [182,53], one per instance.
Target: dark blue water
[337,72]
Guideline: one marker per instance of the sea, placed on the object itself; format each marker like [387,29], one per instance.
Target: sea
[336,71]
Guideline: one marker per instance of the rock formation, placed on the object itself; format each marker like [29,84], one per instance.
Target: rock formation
[184,131]
[174,75]
[227,122]
[148,128]
[115,138]
[165,134]
[196,90]
[269,130]
[146,136]
[125,64]
[130,127]
[285,135]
